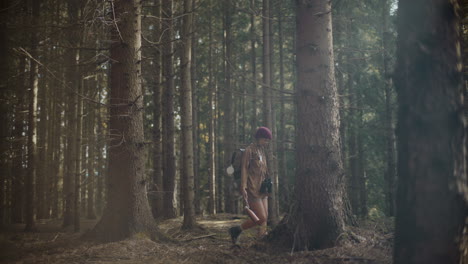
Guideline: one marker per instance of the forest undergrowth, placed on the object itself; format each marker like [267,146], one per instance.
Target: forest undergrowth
[371,243]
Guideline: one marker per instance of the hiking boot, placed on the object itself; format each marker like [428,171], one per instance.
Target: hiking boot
[235,232]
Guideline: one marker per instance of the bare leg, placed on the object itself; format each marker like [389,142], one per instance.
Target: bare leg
[256,206]
[263,227]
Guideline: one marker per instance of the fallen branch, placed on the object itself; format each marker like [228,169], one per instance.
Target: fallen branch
[199,237]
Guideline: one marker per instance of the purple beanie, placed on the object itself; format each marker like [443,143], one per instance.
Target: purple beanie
[263,132]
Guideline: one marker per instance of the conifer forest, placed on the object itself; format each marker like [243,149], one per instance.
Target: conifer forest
[120,121]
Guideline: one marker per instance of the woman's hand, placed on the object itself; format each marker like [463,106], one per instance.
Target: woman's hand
[244,194]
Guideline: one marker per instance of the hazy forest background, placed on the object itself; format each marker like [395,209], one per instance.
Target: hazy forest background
[119,118]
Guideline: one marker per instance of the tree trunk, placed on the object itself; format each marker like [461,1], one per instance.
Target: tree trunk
[283,191]
[195,120]
[78,147]
[4,74]
[91,134]
[100,146]
[390,172]
[317,219]
[157,196]
[228,142]
[51,146]
[17,201]
[127,210]
[41,170]
[267,89]
[71,87]
[169,170]
[186,118]
[253,63]
[212,123]
[432,199]
[32,129]
[361,168]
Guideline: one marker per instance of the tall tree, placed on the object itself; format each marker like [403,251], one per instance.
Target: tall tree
[169,170]
[32,121]
[157,203]
[432,200]
[212,124]
[186,118]
[253,65]
[195,119]
[71,56]
[268,111]
[390,173]
[3,100]
[127,210]
[17,199]
[78,161]
[91,182]
[317,220]
[228,121]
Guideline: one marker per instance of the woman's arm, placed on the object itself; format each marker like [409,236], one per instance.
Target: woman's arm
[244,169]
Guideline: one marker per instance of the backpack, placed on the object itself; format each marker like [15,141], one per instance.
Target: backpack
[235,170]
[236,163]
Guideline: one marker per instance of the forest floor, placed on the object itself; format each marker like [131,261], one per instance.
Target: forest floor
[371,243]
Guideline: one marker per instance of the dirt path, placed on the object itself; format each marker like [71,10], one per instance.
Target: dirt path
[208,245]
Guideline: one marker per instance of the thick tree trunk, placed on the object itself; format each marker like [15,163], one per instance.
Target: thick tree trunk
[186,118]
[169,170]
[317,220]
[432,200]
[127,210]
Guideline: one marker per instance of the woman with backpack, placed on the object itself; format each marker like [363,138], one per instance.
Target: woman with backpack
[255,185]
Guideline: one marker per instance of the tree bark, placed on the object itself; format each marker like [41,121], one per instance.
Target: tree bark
[78,161]
[317,219]
[195,120]
[432,198]
[228,142]
[212,123]
[91,135]
[17,201]
[41,170]
[169,170]
[157,197]
[186,118]
[71,88]
[283,191]
[267,90]
[32,129]
[4,74]
[253,63]
[127,210]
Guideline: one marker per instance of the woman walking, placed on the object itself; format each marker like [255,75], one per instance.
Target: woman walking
[254,171]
